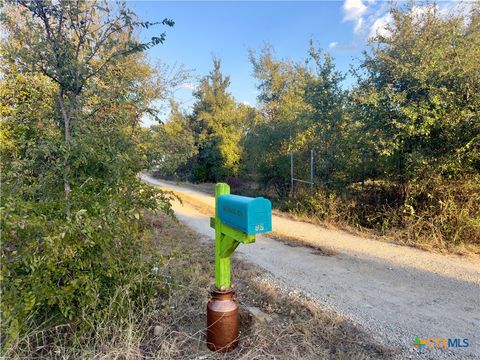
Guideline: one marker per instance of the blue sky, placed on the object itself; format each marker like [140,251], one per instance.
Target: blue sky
[228,29]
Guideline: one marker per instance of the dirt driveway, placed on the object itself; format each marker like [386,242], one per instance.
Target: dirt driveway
[394,292]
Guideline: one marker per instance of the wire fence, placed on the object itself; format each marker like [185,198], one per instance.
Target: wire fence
[302,171]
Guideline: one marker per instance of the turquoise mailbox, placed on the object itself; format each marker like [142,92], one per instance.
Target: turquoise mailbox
[237,221]
[248,215]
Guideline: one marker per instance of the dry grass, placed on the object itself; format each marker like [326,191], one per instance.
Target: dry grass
[207,188]
[173,326]
[295,241]
[299,329]
[193,202]
[419,232]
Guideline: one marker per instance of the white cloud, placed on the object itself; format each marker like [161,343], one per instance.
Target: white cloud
[420,12]
[353,10]
[188,86]
[379,26]
[372,17]
[358,25]
[333,45]
[245,102]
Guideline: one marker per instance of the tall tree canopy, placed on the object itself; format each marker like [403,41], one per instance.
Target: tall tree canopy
[217,124]
[418,94]
[303,108]
[72,42]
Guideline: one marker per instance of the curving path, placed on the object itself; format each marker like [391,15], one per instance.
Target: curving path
[394,292]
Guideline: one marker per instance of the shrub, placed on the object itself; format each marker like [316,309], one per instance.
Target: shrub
[443,214]
[434,213]
[66,272]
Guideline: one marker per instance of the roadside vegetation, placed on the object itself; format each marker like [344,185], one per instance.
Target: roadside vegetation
[397,154]
[74,243]
[92,263]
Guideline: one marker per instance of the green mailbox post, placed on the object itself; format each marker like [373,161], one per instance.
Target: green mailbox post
[237,220]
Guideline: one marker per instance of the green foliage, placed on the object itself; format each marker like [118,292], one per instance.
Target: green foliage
[410,122]
[207,144]
[418,96]
[217,122]
[302,108]
[172,144]
[56,271]
[72,207]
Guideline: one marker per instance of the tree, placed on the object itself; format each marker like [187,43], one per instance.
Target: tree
[72,42]
[303,109]
[417,108]
[328,126]
[74,88]
[172,145]
[217,126]
[418,93]
[282,106]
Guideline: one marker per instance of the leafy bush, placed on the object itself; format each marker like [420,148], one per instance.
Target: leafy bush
[55,271]
[429,214]
[444,214]
[399,152]
[73,233]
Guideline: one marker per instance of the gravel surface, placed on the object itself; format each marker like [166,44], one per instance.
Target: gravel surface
[395,293]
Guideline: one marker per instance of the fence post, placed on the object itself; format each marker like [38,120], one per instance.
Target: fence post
[311,171]
[292,188]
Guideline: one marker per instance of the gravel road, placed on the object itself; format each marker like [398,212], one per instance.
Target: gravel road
[394,292]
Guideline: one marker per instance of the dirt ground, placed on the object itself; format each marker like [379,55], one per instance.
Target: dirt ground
[295,327]
[394,293]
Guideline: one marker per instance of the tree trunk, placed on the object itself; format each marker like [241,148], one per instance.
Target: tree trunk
[67,139]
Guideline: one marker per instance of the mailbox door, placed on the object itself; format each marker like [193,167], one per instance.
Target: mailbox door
[260,216]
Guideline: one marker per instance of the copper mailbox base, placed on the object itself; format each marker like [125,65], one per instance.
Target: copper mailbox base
[222,321]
